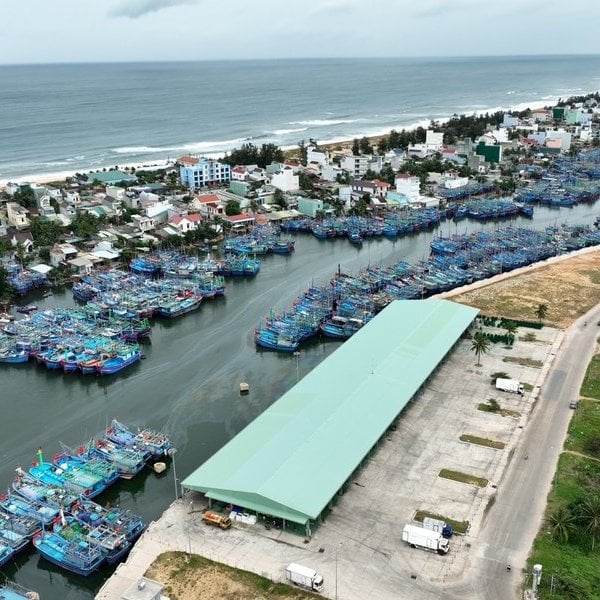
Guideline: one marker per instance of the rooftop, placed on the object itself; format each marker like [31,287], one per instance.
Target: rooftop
[292,459]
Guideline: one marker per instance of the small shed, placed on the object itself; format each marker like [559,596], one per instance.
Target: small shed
[144,589]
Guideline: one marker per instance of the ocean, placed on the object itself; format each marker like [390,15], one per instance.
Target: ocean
[59,119]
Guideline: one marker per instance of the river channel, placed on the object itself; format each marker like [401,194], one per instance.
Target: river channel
[188,385]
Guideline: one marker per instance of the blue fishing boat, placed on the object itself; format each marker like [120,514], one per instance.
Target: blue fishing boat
[31,509]
[119,519]
[23,525]
[129,462]
[154,445]
[31,488]
[114,364]
[111,544]
[77,556]
[12,539]
[95,466]
[73,477]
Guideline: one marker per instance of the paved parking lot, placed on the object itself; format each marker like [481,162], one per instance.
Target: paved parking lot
[358,549]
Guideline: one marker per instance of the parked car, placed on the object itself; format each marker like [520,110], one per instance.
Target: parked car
[574,404]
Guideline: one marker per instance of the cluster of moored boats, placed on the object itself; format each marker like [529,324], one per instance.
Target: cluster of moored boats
[343,306]
[175,264]
[73,340]
[132,296]
[23,280]
[51,503]
[263,239]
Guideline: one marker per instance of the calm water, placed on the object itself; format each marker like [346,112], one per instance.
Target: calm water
[188,384]
[67,118]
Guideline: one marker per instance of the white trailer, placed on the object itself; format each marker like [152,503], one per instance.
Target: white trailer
[509,385]
[419,537]
[304,576]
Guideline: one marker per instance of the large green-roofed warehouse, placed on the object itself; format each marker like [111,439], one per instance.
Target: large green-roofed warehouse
[290,462]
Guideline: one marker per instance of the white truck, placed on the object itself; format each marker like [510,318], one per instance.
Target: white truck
[304,576]
[419,537]
[509,385]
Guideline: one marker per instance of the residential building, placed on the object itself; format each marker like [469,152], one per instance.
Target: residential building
[24,239]
[311,206]
[286,180]
[240,188]
[491,153]
[205,172]
[375,188]
[509,120]
[434,140]
[355,165]
[240,222]
[559,134]
[209,205]
[16,215]
[60,253]
[313,154]
[143,223]
[185,223]
[409,186]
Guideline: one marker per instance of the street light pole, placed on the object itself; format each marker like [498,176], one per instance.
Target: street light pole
[297,355]
[172,452]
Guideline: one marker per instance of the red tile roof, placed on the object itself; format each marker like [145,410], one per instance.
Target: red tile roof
[208,198]
[188,160]
[239,218]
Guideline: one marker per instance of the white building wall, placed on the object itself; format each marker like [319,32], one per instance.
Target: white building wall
[409,187]
[434,140]
[286,181]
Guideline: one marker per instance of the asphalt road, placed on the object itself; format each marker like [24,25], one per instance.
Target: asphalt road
[515,518]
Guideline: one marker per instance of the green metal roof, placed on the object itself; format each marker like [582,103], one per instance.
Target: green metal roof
[292,459]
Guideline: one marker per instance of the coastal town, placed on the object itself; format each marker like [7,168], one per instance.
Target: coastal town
[137,244]
[104,218]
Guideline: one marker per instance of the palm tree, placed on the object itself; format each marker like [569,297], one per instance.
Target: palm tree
[480,346]
[562,524]
[590,517]
[511,328]
[542,311]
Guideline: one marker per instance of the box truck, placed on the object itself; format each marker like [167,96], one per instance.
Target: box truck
[419,537]
[304,576]
[509,385]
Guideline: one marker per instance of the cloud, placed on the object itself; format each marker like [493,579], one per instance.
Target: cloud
[333,6]
[133,9]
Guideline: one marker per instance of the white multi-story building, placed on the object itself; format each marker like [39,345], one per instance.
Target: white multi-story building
[408,186]
[434,140]
[204,172]
[16,215]
[285,180]
[314,155]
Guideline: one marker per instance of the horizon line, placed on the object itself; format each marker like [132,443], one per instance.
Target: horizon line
[298,58]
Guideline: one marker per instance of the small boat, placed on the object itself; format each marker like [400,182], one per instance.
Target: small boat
[119,519]
[154,445]
[12,539]
[77,556]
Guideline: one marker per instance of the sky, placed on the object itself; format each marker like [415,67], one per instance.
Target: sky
[49,31]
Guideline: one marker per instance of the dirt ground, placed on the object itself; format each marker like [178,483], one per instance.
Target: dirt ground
[198,578]
[569,288]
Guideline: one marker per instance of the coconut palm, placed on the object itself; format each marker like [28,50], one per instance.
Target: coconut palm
[562,524]
[480,345]
[541,311]
[510,327]
[589,517]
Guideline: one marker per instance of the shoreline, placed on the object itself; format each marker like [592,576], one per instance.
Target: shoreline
[330,144]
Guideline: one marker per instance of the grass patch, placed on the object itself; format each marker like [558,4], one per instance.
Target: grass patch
[575,567]
[460,527]
[524,361]
[194,576]
[493,407]
[528,337]
[463,477]
[473,439]
[591,382]
[584,430]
